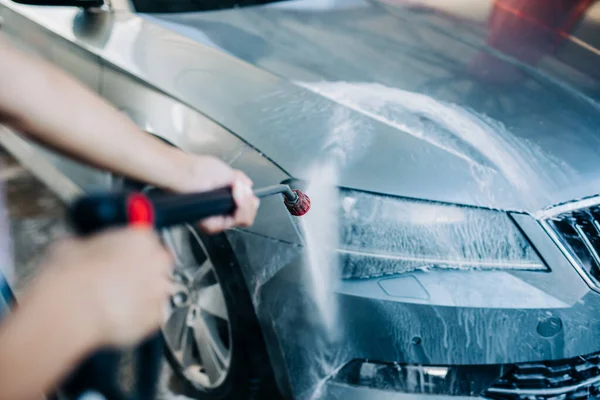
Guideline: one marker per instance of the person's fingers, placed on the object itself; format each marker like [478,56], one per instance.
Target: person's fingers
[247,214]
[229,222]
[243,195]
[246,206]
[213,225]
[242,191]
[247,203]
[242,217]
[243,177]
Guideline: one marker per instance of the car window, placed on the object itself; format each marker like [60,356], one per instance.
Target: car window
[177,6]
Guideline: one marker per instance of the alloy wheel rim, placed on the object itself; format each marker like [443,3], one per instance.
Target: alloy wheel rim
[197,331]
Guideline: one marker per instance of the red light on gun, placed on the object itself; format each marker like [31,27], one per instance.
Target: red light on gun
[140,211]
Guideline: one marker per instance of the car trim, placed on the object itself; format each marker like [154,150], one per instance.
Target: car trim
[546,392]
[550,213]
[476,263]
[567,207]
[568,254]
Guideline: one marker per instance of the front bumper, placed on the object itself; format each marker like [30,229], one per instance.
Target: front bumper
[573,379]
[423,318]
[340,391]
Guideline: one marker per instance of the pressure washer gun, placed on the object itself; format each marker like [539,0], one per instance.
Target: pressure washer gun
[93,213]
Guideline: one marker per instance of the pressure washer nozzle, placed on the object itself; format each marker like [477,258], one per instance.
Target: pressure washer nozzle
[296,202]
[298,206]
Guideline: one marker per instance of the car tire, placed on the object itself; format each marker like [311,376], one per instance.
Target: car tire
[249,374]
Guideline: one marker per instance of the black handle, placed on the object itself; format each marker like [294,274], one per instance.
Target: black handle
[93,213]
[99,373]
[149,363]
[181,208]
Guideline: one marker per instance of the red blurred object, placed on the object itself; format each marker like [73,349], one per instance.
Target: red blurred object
[140,211]
[529,29]
[526,30]
[299,207]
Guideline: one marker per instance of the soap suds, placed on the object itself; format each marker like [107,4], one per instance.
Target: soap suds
[485,144]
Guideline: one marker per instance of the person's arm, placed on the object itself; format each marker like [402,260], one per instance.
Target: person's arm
[39,344]
[54,109]
[91,292]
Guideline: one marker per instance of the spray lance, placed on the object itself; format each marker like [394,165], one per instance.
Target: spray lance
[95,212]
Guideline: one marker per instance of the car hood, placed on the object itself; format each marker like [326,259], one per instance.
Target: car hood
[416,102]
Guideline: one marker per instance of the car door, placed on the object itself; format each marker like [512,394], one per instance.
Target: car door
[65,37]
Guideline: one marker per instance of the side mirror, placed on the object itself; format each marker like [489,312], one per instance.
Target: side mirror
[70,3]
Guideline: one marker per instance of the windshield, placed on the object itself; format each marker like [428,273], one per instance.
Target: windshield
[178,6]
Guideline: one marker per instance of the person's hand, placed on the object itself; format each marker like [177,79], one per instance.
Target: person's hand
[121,278]
[209,173]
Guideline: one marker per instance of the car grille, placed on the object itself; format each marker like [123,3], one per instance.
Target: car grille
[572,379]
[578,232]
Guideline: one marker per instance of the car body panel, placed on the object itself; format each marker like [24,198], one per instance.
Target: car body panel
[455,163]
[336,391]
[468,135]
[467,317]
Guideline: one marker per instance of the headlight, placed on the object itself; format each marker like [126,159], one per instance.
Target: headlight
[382,235]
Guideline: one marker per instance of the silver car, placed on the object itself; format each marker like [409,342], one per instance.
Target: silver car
[452,152]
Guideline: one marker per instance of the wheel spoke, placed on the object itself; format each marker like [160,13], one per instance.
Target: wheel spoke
[187,347]
[200,274]
[214,340]
[178,240]
[172,244]
[211,300]
[176,327]
[211,359]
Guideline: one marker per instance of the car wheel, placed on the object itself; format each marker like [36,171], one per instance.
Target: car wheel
[213,339]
